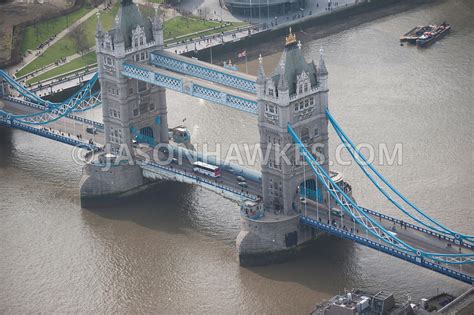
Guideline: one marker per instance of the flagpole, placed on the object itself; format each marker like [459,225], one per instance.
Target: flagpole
[246,68]
[211,53]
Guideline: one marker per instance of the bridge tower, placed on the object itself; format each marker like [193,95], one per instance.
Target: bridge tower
[297,94]
[132,109]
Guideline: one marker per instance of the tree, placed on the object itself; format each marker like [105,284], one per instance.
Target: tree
[205,11]
[186,15]
[78,35]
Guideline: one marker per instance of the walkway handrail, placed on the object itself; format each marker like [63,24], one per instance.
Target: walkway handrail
[199,179]
[351,148]
[361,217]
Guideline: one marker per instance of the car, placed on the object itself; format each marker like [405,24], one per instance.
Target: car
[337,212]
[91,130]
[240,178]
[243,184]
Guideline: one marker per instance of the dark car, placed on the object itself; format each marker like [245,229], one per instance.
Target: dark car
[91,130]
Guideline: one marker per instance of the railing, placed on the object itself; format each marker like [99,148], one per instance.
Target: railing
[418,228]
[47,134]
[71,116]
[203,71]
[200,180]
[418,260]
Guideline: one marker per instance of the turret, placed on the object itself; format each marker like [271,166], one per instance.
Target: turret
[261,78]
[322,72]
[157,28]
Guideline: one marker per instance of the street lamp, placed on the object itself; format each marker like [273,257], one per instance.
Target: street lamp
[301,20]
[268,11]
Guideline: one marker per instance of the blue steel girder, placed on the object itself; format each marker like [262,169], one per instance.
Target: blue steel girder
[202,70]
[6,121]
[415,259]
[361,217]
[154,76]
[225,99]
[70,115]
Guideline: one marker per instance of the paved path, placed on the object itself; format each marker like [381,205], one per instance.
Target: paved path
[314,8]
[36,53]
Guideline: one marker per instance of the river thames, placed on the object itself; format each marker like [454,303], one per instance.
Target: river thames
[172,250]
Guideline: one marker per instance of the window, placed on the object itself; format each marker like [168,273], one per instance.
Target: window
[300,89]
[301,105]
[272,109]
[143,108]
[152,106]
[296,107]
[130,91]
[304,134]
[306,103]
[311,101]
[316,131]
[115,135]
[135,42]
[107,45]
[141,40]
[270,92]
[142,56]
[135,112]
[142,86]
[306,87]
[108,61]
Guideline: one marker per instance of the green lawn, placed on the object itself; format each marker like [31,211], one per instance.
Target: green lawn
[87,59]
[39,32]
[179,26]
[175,27]
[66,47]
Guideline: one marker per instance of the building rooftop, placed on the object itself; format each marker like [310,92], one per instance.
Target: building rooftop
[292,63]
[128,18]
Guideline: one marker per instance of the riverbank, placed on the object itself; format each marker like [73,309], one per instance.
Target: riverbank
[270,42]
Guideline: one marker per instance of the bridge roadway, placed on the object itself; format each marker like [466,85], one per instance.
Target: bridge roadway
[417,239]
[414,237]
[67,126]
[183,166]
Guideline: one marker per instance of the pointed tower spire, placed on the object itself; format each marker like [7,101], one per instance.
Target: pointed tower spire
[118,38]
[322,65]
[261,72]
[282,83]
[157,24]
[99,27]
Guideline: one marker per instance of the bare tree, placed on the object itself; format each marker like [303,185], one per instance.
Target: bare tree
[78,35]
[205,11]
[186,15]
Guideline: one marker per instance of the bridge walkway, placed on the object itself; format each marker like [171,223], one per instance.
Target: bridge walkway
[187,79]
[65,126]
[408,233]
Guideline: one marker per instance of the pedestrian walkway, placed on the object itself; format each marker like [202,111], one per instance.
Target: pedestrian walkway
[36,53]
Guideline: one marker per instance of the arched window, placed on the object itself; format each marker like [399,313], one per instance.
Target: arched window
[304,134]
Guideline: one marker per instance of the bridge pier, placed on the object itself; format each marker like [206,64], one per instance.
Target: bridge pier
[263,242]
[99,185]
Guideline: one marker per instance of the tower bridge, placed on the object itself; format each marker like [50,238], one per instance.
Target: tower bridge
[284,205]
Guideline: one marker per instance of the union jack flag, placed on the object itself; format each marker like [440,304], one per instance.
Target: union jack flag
[242,54]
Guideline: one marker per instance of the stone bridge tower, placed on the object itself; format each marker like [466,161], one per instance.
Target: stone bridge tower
[132,109]
[297,94]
